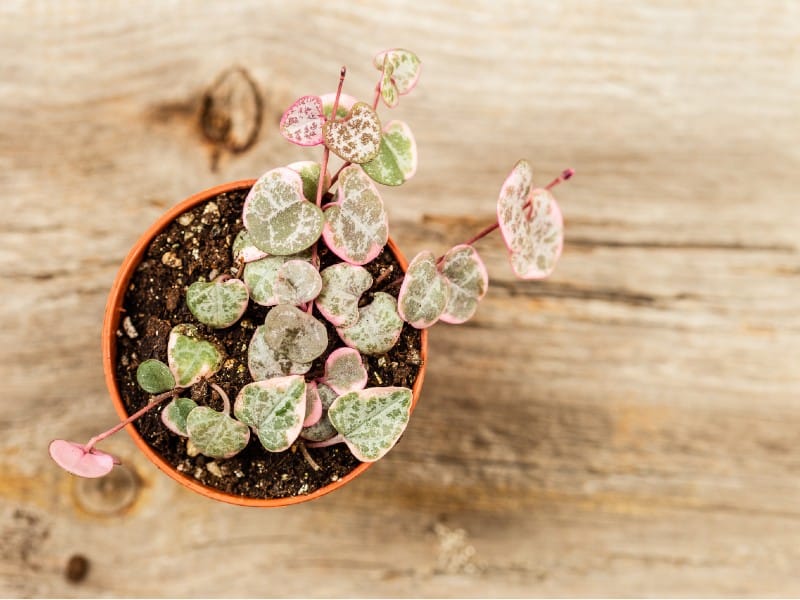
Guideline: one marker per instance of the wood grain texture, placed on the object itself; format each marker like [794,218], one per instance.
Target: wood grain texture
[628,427]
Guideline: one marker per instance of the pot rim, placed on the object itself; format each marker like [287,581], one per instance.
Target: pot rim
[111,323]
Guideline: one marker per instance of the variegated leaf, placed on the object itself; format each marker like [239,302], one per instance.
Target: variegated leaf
[275,410]
[467,280]
[423,295]
[154,377]
[216,434]
[190,357]
[265,362]
[75,459]
[218,304]
[261,276]
[342,286]
[295,334]
[378,327]
[321,430]
[396,162]
[309,173]
[175,413]
[531,223]
[302,122]
[346,102]
[403,67]
[278,217]
[356,226]
[297,282]
[244,249]
[356,138]
[389,92]
[313,405]
[344,371]
[372,420]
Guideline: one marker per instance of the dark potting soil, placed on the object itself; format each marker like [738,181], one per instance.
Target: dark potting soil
[198,244]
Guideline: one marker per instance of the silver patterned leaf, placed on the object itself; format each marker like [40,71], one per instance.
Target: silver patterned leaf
[190,357]
[216,434]
[154,377]
[295,333]
[424,293]
[297,282]
[265,362]
[175,414]
[345,371]
[357,137]
[467,279]
[342,287]
[218,304]
[378,327]
[274,409]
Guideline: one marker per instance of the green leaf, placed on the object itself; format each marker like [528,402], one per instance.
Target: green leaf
[342,287]
[190,357]
[216,434]
[297,282]
[356,138]
[154,377]
[378,327]
[265,362]
[275,409]
[372,420]
[218,304]
[309,173]
[344,371]
[295,334]
[531,224]
[356,226]
[346,102]
[278,217]
[423,295]
[467,280]
[175,413]
[396,161]
[322,430]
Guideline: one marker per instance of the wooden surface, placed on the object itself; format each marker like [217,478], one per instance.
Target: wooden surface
[629,427]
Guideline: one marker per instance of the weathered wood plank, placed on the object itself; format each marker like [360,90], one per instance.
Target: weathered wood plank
[625,428]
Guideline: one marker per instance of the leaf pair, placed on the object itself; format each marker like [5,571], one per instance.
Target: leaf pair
[400,72]
[282,280]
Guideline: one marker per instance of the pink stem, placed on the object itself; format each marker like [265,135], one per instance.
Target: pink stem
[337,439]
[226,402]
[155,401]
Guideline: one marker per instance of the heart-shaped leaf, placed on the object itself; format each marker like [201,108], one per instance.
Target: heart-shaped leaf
[346,102]
[262,275]
[218,304]
[175,413]
[278,217]
[344,371]
[190,357]
[403,69]
[321,430]
[372,420]
[531,223]
[297,282]
[275,409]
[342,286]
[265,362]
[309,173]
[244,249]
[302,123]
[216,434]
[397,158]
[356,226]
[423,295]
[313,405]
[74,458]
[295,334]
[154,377]
[356,138]
[467,280]
[378,327]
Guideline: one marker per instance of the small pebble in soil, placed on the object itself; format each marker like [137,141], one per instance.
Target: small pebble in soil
[214,469]
[130,330]
[171,260]
[77,568]
[186,219]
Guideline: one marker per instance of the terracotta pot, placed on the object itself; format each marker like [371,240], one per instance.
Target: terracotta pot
[111,325]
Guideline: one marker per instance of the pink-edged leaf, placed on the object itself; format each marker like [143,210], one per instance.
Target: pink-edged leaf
[277,215]
[331,441]
[467,279]
[531,224]
[356,226]
[297,282]
[309,173]
[174,415]
[261,277]
[313,405]
[389,93]
[378,327]
[265,362]
[403,67]
[424,293]
[73,458]
[275,409]
[321,430]
[295,333]
[190,357]
[356,138]
[245,250]
[302,123]
[397,158]
[345,371]
[346,102]
[342,287]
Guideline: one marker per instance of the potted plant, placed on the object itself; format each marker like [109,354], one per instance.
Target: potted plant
[265,341]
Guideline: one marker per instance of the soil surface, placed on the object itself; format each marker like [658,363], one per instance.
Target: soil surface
[198,244]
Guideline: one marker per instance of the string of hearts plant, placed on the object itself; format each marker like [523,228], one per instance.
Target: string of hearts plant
[287,214]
